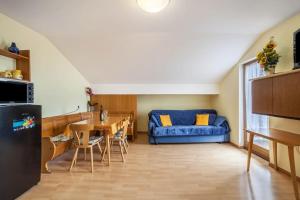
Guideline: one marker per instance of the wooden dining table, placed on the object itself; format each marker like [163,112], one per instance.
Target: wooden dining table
[104,126]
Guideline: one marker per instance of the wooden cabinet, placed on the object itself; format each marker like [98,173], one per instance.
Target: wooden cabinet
[262,94]
[286,95]
[277,95]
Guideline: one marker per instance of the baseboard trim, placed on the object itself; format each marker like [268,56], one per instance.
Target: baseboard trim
[279,169]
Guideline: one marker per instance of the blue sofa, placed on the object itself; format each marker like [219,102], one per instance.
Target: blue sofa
[184,129]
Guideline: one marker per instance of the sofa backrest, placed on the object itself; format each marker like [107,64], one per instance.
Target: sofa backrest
[182,117]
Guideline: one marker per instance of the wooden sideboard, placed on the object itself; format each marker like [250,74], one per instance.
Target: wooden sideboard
[277,95]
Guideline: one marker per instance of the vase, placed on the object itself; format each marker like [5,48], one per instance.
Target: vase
[13,48]
[270,71]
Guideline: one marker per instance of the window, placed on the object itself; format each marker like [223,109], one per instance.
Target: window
[254,121]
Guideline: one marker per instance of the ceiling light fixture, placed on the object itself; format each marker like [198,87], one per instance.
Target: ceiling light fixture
[153,6]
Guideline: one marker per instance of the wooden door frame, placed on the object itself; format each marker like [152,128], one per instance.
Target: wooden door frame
[261,152]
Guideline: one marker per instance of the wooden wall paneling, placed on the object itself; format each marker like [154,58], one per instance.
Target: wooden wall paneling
[86,115]
[118,103]
[286,96]
[262,94]
[53,126]
[60,123]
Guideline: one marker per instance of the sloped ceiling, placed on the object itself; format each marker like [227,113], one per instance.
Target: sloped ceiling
[115,42]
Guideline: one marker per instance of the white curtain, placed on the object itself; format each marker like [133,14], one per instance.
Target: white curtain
[254,121]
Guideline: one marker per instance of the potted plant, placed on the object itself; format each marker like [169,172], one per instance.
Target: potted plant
[268,57]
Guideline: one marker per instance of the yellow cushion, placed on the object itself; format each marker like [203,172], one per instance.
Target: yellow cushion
[165,120]
[202,119]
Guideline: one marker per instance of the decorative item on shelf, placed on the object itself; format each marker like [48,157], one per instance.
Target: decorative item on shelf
[13,48]
[6,74]
[101,114]
[17,74]
[268,57]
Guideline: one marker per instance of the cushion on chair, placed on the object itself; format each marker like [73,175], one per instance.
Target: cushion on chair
[95,139]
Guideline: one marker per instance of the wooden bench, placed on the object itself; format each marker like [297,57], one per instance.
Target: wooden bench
[52,128]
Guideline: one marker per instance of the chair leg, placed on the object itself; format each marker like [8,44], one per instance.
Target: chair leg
[124,145]
[92,159]
[121,150]
[111,144]
[103,154]
[84,153]
[74,158]
[99,146]
[126,141]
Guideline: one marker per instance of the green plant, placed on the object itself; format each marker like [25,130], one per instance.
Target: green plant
[268,57]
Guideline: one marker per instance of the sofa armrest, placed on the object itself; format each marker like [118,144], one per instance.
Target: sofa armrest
[222,122]
[151,126]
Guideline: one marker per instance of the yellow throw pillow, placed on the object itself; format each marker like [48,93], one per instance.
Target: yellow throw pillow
[202,119]
[165,120]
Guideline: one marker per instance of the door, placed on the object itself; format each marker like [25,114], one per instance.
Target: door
[254,121]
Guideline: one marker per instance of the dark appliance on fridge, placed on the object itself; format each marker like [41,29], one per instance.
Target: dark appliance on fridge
[20,139]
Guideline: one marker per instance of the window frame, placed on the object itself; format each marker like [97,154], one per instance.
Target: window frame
[259,151]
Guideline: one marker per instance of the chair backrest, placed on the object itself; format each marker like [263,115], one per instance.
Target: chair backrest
[126,123]
[81,133]
[114,128]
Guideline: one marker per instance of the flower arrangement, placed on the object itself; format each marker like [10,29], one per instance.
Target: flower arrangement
[268,57]
[89,91]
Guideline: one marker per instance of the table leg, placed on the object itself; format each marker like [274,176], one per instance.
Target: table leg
[108,148]
[250,145]
[293,171]
[275,154]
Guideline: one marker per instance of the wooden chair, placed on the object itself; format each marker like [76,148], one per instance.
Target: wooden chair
[84,141]
[118,132]
[121,138]
[132,119]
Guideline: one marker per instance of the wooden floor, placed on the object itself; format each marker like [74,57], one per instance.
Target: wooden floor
[191,171]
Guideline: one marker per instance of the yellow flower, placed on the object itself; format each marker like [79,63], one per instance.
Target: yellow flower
[263,60]
[259,55]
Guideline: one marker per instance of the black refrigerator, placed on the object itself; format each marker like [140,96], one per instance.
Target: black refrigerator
[20,149]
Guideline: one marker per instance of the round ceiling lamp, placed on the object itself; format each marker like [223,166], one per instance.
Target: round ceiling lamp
[153,6]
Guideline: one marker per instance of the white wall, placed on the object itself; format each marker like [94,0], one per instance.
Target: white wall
[228,102]
[146,103]
[59,87]
[156,88]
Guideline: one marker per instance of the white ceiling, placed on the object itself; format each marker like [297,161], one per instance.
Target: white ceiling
[115,42]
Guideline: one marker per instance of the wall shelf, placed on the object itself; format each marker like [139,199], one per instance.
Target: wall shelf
[22,61]
[12,55]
